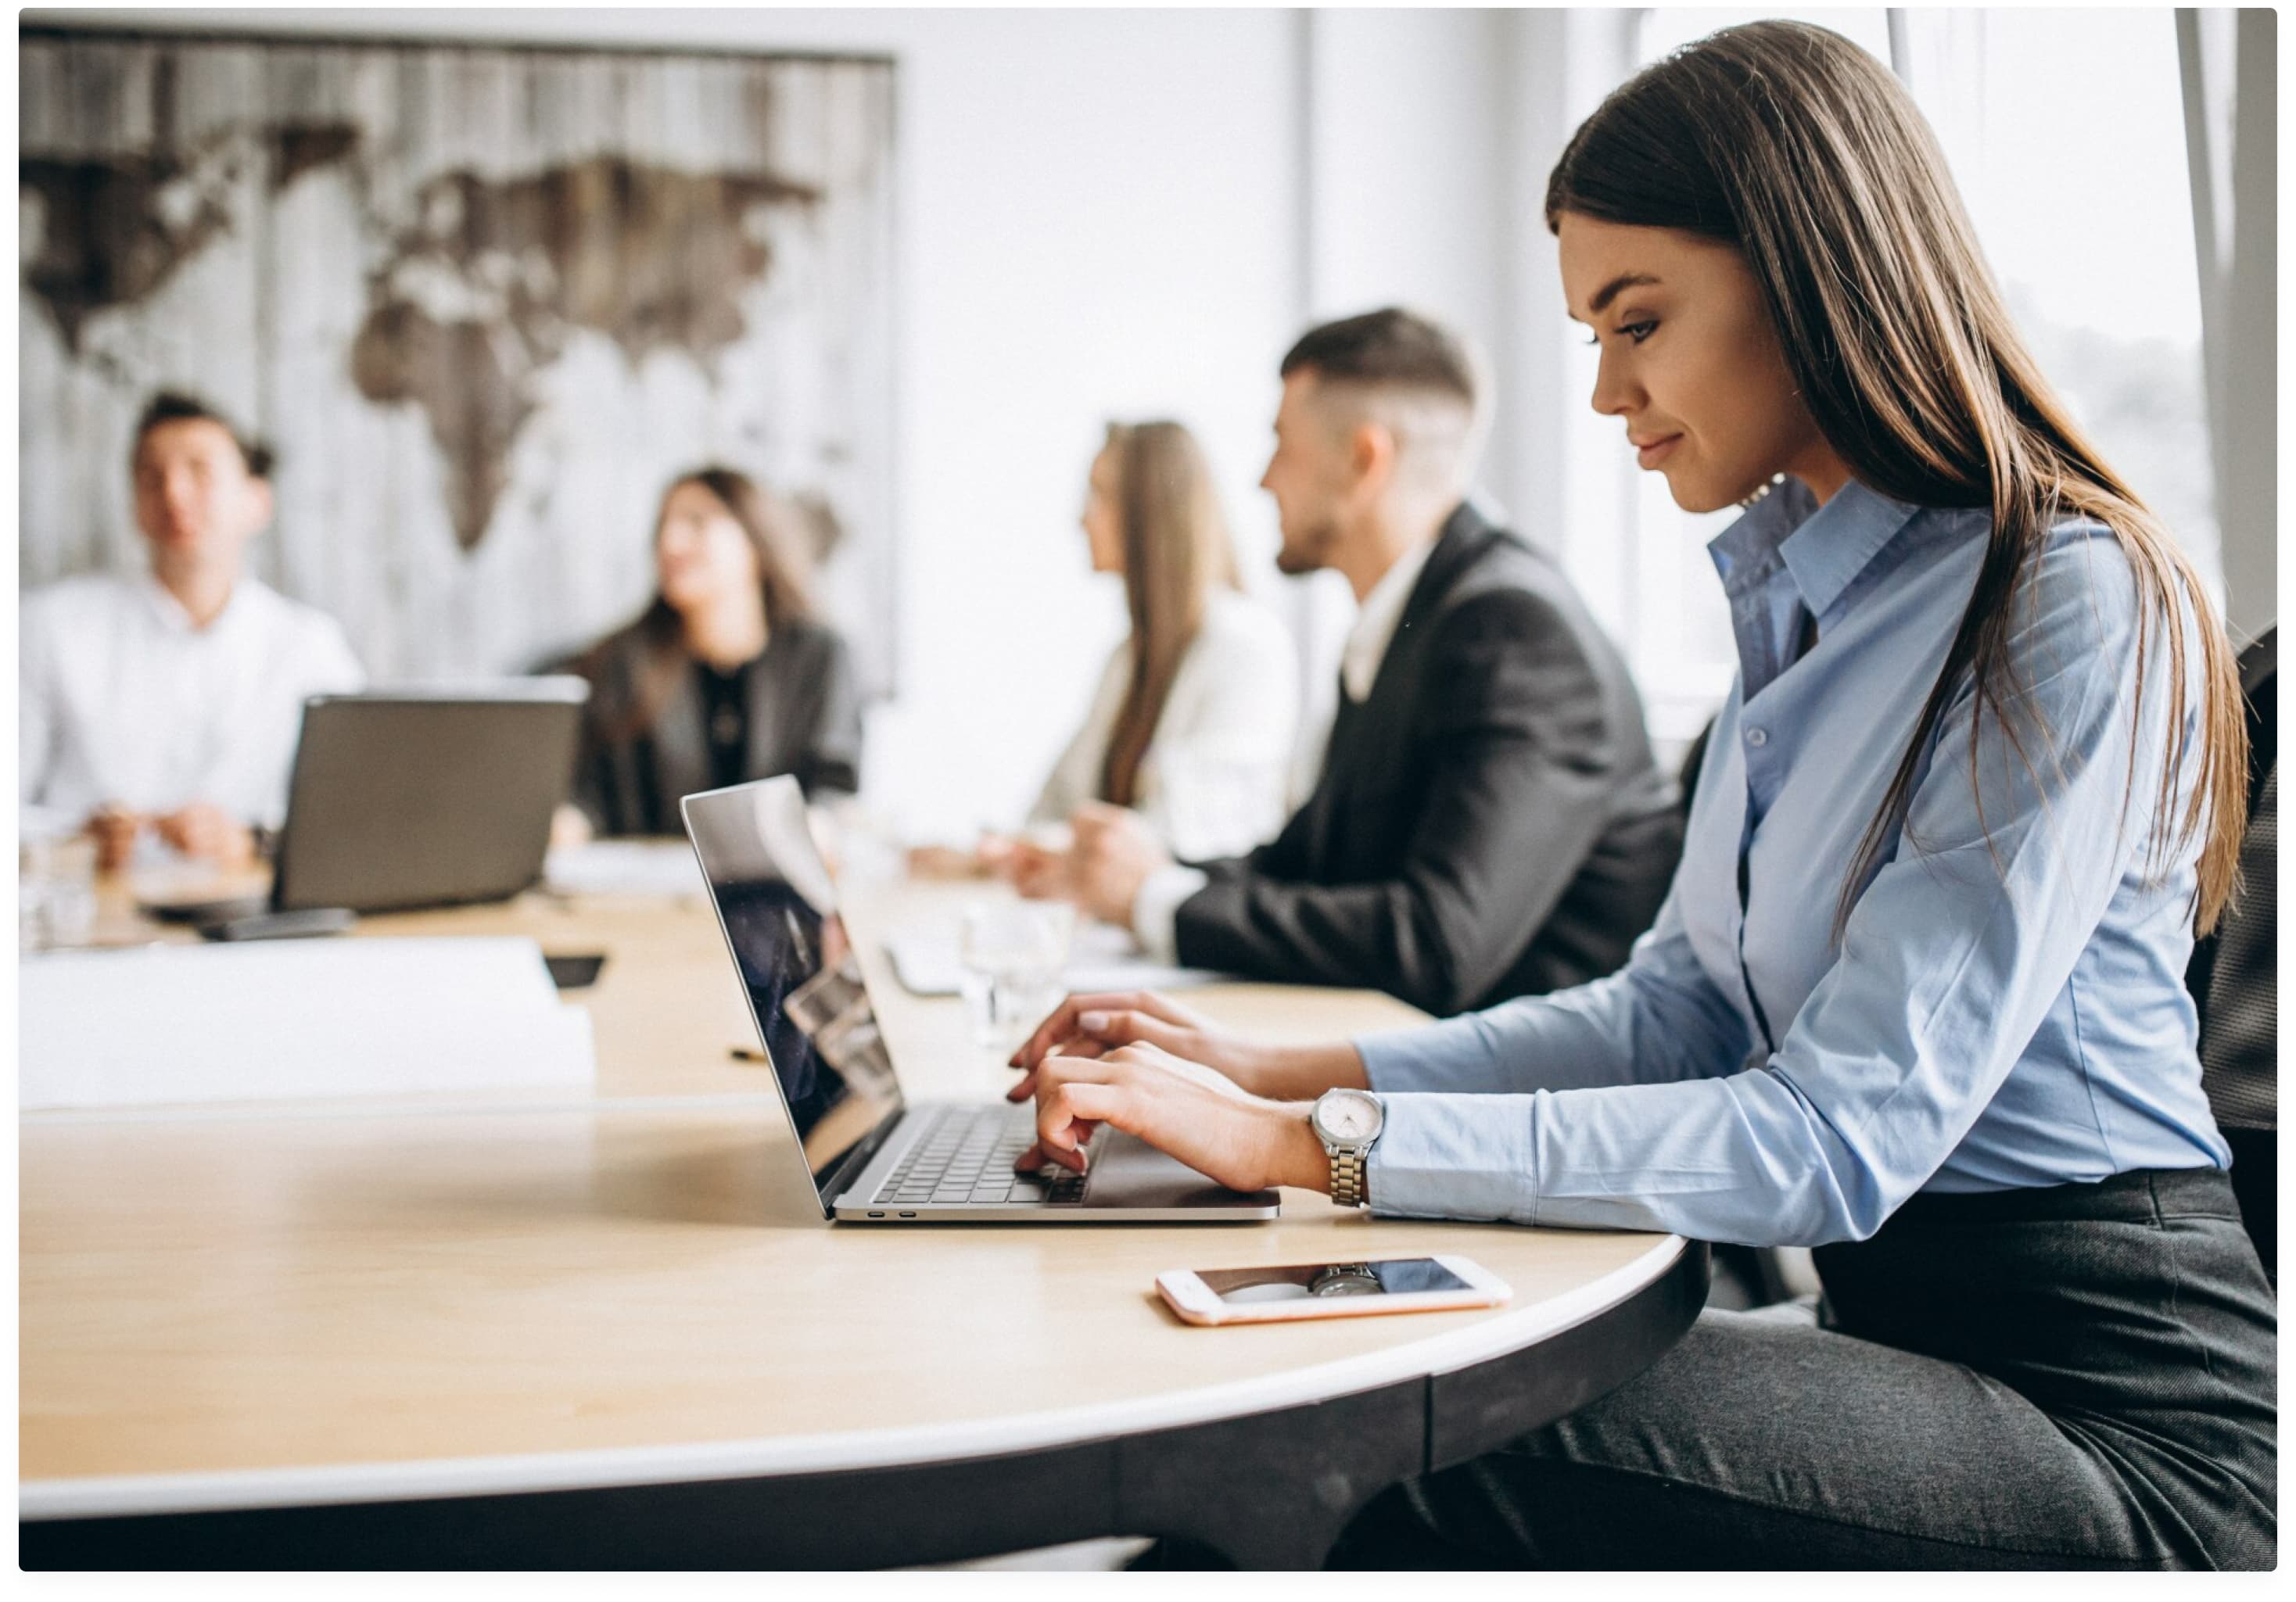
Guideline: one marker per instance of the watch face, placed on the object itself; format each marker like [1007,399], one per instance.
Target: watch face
[1347,1118]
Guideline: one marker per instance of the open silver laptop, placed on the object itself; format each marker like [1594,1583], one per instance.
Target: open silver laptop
[875,1157]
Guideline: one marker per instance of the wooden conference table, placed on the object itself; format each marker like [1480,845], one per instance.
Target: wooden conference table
[610,1327]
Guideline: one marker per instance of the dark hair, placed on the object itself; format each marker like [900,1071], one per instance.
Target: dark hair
[777,535]
[1794,146]
[1390,347]
[175,405]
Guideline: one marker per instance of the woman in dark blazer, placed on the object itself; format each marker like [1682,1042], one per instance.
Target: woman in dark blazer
[728,675]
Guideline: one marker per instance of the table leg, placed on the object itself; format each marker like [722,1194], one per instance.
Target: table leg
[1273,1490]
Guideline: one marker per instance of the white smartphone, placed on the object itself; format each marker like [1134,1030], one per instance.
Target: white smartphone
[1329,1290]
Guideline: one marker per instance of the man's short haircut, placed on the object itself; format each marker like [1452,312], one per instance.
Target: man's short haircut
[1387,349]
[176,405]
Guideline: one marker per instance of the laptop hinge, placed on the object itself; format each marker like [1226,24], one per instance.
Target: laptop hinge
[857,1158]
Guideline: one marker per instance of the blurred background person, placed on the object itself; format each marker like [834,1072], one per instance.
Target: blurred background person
[1192,725]
[729,675]
[165,705]
[1488,820]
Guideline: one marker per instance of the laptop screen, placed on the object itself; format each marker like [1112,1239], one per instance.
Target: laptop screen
[778,908]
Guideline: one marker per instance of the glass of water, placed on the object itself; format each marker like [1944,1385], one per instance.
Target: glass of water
[55,893]
[1014,954]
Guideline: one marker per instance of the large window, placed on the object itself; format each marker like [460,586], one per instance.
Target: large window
[2064,131]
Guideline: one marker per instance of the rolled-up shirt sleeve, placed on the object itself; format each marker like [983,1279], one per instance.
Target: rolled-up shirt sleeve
[1948,963]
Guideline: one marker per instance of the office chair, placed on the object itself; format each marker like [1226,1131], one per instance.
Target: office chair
[2233,975]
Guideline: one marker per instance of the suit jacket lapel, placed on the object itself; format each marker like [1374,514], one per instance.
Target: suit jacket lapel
[1395,692]
[764,688]
[1323,805]
[681,748]
[1366,735]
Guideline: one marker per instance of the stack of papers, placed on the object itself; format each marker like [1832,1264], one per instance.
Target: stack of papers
[625,868]
[297,1018]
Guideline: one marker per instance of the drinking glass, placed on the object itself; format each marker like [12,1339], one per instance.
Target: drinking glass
[1014,954]
[55,893]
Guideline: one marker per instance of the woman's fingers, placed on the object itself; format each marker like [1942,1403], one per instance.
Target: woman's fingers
[1157,1004]
[1179,1108]
[1081,1132]
[1039,883]
[1061,1025]
[1067,1117]
[1074,1095]
[1040,1157]
[1076,1045]
[1056,1027]
[1127,1026]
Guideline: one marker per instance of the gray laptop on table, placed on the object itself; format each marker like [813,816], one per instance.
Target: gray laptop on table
[426,796]
[877,1157]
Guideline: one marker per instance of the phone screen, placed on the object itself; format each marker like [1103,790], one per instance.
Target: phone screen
[1300,1282]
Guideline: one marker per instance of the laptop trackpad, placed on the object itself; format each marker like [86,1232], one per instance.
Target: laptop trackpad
[1126,1171]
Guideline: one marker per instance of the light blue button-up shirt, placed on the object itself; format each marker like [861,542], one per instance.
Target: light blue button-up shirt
[2006,1007]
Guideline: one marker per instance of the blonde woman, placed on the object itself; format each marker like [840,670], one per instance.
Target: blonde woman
[1192,723]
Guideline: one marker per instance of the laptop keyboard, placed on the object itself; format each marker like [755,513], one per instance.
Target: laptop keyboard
[966,1155]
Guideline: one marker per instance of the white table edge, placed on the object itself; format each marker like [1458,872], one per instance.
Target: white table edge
[99,1496]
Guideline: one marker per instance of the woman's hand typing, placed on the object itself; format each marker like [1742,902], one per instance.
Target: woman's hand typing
[1182,1109]
[1093,1026]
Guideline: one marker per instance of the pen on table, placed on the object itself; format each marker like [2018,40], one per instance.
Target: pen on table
[746,1054]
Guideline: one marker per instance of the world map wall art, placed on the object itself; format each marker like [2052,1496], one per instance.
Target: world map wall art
[485,302]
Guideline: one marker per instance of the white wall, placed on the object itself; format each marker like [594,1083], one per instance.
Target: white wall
[1402,123]
[1406,122]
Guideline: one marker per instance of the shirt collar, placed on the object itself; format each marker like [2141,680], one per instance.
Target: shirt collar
[1381,614]
[1824,548]
[169,612]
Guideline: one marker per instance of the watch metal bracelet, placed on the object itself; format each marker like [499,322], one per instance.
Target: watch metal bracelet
[1347,1178]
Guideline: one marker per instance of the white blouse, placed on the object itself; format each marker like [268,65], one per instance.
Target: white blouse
[1212,781]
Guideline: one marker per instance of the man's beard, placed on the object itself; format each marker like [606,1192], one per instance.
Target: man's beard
[1311,551]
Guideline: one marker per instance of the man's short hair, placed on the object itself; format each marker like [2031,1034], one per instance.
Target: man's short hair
[1389,348]
[175,405]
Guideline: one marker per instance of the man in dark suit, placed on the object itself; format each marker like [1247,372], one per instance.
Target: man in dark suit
[1487,821]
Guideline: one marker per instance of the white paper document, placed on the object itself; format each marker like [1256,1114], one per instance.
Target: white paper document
[292,1020]
[927,962]
[624,868]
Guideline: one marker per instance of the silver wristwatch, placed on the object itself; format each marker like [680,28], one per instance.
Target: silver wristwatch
[1348,1123]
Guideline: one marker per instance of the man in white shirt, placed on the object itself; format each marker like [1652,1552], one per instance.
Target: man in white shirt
[1488,820]
[168,704]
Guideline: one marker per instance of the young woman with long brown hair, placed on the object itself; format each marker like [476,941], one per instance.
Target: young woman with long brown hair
[1192,724]
[729,673]
[1916,996]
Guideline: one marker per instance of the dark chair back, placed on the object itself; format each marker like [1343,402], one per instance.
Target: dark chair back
[2234,976]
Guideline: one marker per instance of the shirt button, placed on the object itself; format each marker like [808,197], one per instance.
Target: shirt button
[1758,737]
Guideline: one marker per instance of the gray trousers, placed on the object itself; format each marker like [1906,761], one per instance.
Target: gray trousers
[2081,1376]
